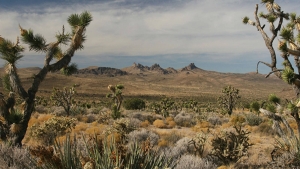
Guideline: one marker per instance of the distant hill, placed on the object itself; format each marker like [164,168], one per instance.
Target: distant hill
[111,72]
[155,68]
[189,81]
[190,67]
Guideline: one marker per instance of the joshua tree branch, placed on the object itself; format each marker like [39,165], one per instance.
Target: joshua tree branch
[294,52]
[273,72]
[267,64]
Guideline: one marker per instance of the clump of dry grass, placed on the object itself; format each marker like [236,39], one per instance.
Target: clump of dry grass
[201,126]
[159,124]
[144,124]
[162,143]
[237,119]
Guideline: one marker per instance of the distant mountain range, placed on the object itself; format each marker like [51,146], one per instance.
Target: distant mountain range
[136,68]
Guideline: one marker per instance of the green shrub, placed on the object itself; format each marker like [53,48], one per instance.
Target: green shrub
[253,120]
[134,104]
[271,107]
[273,98]
[254,106]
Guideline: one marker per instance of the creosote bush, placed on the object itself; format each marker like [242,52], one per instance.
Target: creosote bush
[134,104]
[253,120]
[184,119]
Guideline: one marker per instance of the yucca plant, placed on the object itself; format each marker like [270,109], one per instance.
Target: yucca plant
[12,53]
[63,155]
[99,154]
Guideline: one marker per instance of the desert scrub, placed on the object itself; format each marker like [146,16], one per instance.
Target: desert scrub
[50,129]
[229,147]
[172,137]
[121,127]
[144,124]
[101,154]
[142,135]
[194,162]
[237,119]
[15,158]
[181,147]
[216,120]
[134,104]
[185,120]
[253,120]
[170,122]
[159,124]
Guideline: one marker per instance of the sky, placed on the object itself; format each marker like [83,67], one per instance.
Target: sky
[172,33]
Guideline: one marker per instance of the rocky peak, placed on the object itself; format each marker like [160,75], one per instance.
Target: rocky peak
[191,66]
[138,66]
[155,67]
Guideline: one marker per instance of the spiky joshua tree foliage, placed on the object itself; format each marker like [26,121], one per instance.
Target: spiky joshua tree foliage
[12,52]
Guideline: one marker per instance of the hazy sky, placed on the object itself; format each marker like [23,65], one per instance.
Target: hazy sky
[172,33]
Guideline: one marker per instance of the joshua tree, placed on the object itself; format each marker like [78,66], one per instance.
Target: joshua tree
[12,52]
[229,99]
[63,98]
[116,95]
[288,45]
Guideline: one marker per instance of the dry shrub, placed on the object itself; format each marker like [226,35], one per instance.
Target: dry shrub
[92,130]
[114,136]
[159,124]
[44,117]
[169,119]
[194,162]
[15,157]
[163,143]
[53,127]
[293,125]
[237,119]
[215,120]
[171,124]
[41,109]
[265,128]
[226,125]
[142,135]
[181,147]
[80,127]
[134,123]
[184,119]
[172,137]
[145,124]
[201,126]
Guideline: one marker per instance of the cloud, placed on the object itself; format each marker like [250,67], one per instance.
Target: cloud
[172,29]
